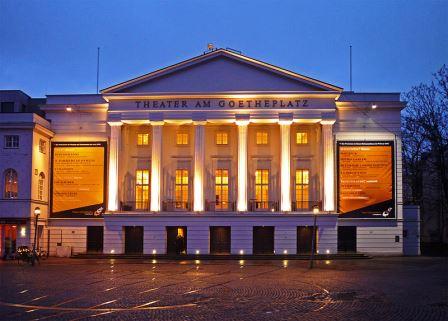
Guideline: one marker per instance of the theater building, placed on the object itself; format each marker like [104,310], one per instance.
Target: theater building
[225,154]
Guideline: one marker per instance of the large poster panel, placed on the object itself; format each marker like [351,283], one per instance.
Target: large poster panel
[78,179]
[366,179]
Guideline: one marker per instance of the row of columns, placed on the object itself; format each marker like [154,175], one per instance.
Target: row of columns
[199,164]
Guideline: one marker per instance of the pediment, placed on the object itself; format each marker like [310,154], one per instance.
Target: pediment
[221,71]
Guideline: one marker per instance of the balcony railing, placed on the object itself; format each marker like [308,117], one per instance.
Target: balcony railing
[141,206]
[170,205]
[305,206]
[260,206]
[220,206]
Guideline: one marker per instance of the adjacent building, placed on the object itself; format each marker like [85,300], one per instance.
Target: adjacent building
[219,154]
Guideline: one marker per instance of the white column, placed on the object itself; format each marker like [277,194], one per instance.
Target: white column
[328,153]
[156,166]
[242,165]
[114,146]
[285,165]
[199,163]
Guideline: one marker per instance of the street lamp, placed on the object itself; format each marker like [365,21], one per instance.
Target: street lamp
[36,218]
[313,235]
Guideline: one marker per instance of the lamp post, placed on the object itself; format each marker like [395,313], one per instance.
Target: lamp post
[313,235]
[36,218]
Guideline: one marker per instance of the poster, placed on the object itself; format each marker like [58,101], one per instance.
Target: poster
[78,179]
[366,179]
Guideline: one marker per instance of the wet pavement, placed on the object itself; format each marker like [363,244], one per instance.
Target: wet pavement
[75,289]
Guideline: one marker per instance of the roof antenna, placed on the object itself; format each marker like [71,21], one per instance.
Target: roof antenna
[351,82]
[97,70]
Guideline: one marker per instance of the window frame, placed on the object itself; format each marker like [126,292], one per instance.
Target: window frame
[263,186]
[142,189]
[187,135]
[306,135]
[221,188]
[262,131]
[222,132]
[40,186]
[304,189]
[9,193]
[143,136]
[182,203]
[11,143]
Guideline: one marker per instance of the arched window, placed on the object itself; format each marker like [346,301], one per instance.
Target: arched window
[11,183]
[40,187]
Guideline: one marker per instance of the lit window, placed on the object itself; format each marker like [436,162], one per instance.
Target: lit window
[262,138]
[302,188]
[182,138]
[261,189]
[42,146]
[12,141]
[142,189]
[301,138]
[142,139]
[11,183]
[222,189]
[222,138]
[40,187]
[181,189]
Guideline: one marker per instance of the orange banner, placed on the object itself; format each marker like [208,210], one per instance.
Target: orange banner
[365,179]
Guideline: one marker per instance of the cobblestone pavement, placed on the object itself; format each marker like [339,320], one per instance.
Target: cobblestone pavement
[377,289]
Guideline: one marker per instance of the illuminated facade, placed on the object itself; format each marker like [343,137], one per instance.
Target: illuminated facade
[223,153]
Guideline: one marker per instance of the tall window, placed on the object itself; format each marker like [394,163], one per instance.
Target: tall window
[181,189]
[11,141]
[142,139]
[141,189]
[182,138]
[42,146]
[7,107]
[261,188]
[302,188]
[40,187]
[222,189]
[11,184]
[261,137]
[301,138]
[222,138]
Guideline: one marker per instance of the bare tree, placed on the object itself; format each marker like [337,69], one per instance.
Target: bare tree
[425,145]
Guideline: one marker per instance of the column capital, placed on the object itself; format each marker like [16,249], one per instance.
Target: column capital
[199,122]
[242,119]
[156,122]
[115,123]
[327,121]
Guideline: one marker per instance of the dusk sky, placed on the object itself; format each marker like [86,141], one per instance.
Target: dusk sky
[50,47]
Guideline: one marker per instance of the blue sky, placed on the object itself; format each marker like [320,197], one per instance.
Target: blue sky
[49,47]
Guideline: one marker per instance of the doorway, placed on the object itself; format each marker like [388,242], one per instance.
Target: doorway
[95,238]
[133,239]
[346,238]
[176,240]
[263,240]
[8,240]
[220,239]
[305,235]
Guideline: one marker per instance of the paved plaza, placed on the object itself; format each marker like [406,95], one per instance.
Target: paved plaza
[372,289]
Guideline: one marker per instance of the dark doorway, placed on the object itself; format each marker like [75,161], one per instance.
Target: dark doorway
[133,239]
[95,239]
[220,239]
[263,242]
[176,240]
[305,235]
[346,238]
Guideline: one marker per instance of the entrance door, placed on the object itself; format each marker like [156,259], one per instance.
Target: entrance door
[305,239]
[133,239]
[95,239]
[10,240]
[220,239]
[263,242]
[346,238]
[176,240]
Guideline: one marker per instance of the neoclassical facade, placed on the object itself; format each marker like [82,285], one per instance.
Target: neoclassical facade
[223,153]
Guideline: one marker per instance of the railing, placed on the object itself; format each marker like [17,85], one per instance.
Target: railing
[219,206]
[259,206]
[168,206]
[142,206]
[305,206]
